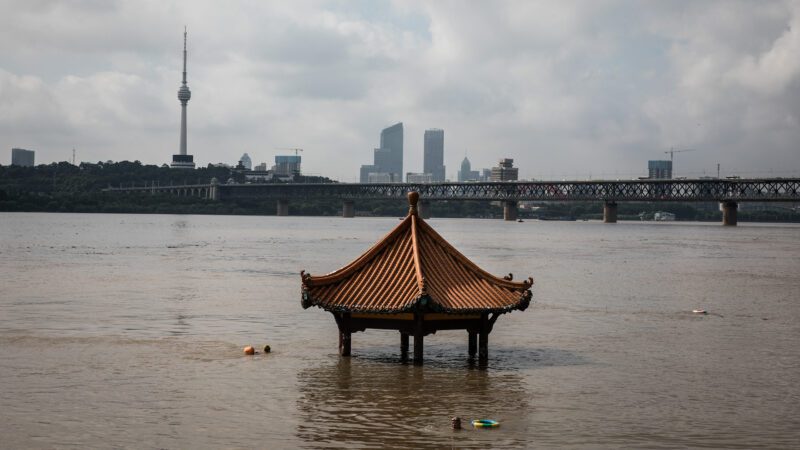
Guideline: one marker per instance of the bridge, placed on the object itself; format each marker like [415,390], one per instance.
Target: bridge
[729,192]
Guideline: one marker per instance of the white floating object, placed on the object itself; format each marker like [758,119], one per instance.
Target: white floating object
[700,311]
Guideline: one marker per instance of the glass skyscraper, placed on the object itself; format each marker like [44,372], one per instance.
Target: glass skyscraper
[433,162]
[392,140]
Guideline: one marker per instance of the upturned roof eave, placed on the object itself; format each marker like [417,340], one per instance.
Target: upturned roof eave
[429,306]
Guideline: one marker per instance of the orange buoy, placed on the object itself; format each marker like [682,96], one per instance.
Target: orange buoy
[249,350]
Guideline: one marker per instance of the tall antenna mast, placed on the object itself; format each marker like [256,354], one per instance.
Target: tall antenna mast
[184,55]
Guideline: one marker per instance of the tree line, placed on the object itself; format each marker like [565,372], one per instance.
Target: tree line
[63,187]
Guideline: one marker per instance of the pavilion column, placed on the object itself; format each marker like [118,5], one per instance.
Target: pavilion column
[418,337]
[729,213]
[472,346]
[344,334]
[403,344]
[483,340]
[609,212]
[344,343]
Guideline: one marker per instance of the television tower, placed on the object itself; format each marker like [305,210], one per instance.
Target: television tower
[183,160]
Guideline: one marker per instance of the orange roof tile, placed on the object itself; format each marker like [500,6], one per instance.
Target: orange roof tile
[410,265]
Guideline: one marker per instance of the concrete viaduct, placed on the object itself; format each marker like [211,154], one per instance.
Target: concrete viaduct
[729,192]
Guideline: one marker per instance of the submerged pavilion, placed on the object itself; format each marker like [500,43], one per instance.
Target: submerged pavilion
[415,282]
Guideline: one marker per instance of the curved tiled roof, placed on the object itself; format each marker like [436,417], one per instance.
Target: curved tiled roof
[414,264]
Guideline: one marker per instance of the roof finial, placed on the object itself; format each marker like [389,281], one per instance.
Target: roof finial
[413,197]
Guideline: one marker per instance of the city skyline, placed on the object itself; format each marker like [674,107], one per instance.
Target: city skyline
[575,90]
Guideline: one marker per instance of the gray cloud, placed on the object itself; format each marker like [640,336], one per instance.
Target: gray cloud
[574,89]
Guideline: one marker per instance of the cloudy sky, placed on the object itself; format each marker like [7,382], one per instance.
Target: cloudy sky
[568,89]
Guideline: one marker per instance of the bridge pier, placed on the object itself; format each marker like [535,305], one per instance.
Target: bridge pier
[729,213]
[425,209]
[609,212]
[283,207]
[213,191]
[509,210]
[348,208]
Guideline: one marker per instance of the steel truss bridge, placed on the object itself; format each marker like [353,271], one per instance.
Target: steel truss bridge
[729,192]
[738,190]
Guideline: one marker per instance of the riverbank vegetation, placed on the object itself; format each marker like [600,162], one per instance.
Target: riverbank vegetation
[63,187]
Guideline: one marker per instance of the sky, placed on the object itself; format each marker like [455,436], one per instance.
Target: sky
[569,90]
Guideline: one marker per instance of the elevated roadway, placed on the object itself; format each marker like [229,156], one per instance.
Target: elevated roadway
[729,192]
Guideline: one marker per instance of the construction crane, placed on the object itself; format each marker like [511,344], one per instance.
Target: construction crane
[296,150]
[671,151]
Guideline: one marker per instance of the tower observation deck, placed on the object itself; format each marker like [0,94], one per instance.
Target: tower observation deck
[183,160]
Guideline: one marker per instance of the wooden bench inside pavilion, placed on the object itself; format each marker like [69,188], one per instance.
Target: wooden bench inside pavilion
[414,281]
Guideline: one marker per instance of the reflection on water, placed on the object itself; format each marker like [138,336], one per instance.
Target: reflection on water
[374,404]
[378,399]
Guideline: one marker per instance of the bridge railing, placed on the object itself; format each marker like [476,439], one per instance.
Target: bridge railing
[778,189]
[773,189]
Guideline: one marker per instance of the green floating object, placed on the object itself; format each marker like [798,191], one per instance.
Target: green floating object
[485,423]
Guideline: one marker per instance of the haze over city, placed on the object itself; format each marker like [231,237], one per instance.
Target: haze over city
[577,90]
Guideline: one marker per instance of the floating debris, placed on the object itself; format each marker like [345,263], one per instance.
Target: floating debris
[485,423]
[249,350]
[700,311]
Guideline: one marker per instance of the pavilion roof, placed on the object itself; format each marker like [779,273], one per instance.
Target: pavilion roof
[413,264]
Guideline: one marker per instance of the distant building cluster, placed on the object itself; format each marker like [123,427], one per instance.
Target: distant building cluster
[22,157]
[505,171]
[285,169]
[387,160]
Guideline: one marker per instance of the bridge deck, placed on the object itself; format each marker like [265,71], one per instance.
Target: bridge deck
[698,190]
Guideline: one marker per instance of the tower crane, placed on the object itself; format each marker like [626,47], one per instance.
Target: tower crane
[671,151]
[296,150]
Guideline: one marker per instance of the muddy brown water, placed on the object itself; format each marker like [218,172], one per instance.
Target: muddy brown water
[127,331]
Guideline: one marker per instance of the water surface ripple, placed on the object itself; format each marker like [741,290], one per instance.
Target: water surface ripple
[126,331]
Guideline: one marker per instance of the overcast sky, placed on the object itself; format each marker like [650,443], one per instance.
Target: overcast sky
[568,89]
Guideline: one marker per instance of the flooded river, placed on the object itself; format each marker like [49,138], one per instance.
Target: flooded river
[127,331]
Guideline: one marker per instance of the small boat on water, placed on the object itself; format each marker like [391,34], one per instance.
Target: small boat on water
[565,218]
[661,216]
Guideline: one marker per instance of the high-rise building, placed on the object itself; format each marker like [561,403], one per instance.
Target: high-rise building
[366,169]
[387,163]
[505,170]
[466,173]
[659,169]
[287,165]
[419,177]
[246,161]
[183,160]
[383,158]
[433,154]
[22,157]
[392,140]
